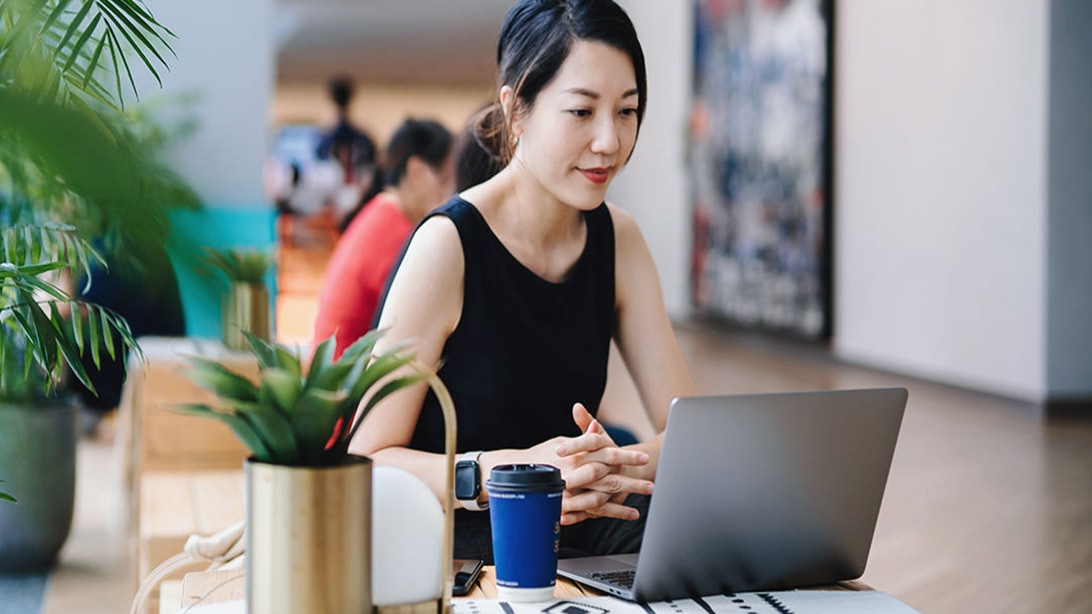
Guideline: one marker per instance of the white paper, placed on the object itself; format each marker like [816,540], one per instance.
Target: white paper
[793,602]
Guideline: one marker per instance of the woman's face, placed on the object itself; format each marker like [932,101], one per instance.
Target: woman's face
[582,127]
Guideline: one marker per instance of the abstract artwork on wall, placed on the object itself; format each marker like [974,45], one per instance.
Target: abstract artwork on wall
[759,164]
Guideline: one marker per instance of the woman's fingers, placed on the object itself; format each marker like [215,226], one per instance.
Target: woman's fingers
[592,442]
[587,505]
[590,471]
[582,417]
[599,478]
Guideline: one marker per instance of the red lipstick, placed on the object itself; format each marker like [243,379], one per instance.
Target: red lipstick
[596,175]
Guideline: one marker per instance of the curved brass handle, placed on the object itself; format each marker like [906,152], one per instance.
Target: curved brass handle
[447,406]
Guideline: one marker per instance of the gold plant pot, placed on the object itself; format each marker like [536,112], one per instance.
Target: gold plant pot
[308,546]
[246,309]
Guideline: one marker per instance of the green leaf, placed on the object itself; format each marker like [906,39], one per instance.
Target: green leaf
[273,428]
[108,324]
[146,21]
[262,349]
[289,361]
[77,323]
[55,14]
[314,419]
[331,377]
[5,496]
[34,269]
[321,360]
[280,388]
[96,334]
[362,347]
[126,25]
[34,340]
[75,25]
[94,63]
[47,288]
[220,380]
[379,368]
[69,349]
[242,428]
[82,41]
[125,64]
[238,264]
[387,389]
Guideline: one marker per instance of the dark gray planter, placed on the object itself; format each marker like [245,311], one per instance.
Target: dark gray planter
[38,462]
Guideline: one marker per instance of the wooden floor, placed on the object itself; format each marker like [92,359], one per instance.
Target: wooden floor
[988,507]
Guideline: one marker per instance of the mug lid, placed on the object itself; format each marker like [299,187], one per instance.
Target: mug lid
[526,475]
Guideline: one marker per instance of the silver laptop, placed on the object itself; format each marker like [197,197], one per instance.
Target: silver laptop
[759,492]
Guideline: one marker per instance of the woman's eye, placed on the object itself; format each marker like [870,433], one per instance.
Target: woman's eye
[580,112]
[629,111]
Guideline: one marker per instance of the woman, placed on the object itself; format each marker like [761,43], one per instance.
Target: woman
[517,286]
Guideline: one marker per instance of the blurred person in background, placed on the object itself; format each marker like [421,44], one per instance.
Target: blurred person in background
[419,176]
[355,154]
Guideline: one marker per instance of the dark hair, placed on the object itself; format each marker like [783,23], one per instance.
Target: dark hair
[474,163]
[425,139]
[534,42]
[341,90]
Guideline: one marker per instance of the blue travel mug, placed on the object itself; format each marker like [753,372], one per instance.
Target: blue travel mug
[525,511]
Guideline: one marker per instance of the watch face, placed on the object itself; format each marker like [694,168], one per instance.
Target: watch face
[466,480]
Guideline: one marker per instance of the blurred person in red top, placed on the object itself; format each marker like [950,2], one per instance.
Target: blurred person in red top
[419,176]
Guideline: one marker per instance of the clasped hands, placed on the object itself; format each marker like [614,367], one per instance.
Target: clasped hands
[598,474]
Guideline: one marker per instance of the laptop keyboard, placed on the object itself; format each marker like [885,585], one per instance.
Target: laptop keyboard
[622,578]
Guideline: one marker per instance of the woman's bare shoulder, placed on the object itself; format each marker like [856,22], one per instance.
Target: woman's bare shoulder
[626,232]
[426,291]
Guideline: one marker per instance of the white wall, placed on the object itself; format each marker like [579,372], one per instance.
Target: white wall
[653,187]
[940,189]
[225,57]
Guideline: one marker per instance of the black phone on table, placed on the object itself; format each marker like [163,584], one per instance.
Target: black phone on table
[466,575]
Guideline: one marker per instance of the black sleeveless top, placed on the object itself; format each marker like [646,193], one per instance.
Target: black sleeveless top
[525,349]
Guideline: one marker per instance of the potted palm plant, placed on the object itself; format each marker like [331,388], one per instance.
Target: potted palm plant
[37,430]
[246,308]
[73,166]
[308,499]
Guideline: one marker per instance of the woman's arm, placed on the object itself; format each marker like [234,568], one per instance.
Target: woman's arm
[423,306]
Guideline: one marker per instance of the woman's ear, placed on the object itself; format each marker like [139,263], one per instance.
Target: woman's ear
[508,105]
[507,98]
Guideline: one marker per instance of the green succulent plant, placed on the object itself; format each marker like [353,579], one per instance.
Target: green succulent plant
[295,416]
[240,264]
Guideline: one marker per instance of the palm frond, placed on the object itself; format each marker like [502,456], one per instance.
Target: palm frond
[64,41]
[32,305]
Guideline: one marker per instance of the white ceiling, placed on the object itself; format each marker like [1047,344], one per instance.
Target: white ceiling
[388,41]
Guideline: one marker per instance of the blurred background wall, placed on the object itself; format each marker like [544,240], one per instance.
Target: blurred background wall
[961,202]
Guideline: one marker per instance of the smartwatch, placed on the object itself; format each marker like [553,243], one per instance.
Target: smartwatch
[468,482]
